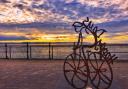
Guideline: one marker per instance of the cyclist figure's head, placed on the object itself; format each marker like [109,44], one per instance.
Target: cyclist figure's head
[88,28]
[80,26]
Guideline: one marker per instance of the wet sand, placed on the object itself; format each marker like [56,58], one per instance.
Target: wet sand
[48,74]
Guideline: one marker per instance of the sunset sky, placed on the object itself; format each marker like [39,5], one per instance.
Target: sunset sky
[51,20]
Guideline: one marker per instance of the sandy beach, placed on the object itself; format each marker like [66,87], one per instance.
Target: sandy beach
[48,74]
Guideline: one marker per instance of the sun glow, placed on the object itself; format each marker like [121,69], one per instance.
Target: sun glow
[65,38]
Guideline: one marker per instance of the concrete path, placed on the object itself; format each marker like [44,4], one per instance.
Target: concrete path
[44,74]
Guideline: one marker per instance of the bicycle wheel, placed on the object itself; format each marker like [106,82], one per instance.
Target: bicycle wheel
[101,74]
[75,71]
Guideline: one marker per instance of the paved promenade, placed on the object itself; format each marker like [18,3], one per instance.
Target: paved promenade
[46,74]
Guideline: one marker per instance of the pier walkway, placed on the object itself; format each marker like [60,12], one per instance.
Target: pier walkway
[47,74]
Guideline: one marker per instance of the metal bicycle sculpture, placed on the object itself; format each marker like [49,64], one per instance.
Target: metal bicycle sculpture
[89,64]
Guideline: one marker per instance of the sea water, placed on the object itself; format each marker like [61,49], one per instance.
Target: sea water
[58,51]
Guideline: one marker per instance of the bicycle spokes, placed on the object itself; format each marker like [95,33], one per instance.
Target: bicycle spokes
[92,64]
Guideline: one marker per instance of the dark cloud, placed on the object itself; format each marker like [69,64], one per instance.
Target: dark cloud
[51,27]
[20,6]
[62,8]
[35,25]
[82,10]
[13,38]
[4,1]
[115,26]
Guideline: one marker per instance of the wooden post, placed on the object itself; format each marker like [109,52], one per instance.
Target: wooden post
[6,51]
[49,51]
[10,52]
[27,51]
[52,52]
[30,52]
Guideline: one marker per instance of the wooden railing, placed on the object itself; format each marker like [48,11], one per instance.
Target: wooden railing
[49,50]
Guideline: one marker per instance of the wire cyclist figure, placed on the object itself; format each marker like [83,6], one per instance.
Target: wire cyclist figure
[91,66]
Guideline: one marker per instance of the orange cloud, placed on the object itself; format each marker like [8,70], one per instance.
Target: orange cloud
[108,38]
